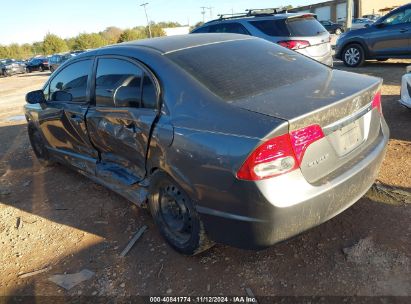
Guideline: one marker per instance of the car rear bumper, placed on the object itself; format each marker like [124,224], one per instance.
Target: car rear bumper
[287,205]
[327,59]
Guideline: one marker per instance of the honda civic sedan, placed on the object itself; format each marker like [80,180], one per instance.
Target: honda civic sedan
[220,144]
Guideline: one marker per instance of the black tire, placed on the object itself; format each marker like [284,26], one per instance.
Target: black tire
[353,55]
[39,148]
[338,31]
[29,70]
[175,216]
[51,69]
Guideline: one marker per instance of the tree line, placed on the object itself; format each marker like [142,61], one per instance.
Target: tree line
[53,44]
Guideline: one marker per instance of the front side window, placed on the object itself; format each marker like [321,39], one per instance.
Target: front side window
[401,17]
[70,84]
[120,83]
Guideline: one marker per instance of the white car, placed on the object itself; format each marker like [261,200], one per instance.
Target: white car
[406,89]
[361,23]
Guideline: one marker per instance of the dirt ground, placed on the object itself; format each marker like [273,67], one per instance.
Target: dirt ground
[58,221]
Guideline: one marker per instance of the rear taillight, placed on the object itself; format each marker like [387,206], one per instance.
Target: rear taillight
[376,102]
[302,138]
[279,155]
[294,44]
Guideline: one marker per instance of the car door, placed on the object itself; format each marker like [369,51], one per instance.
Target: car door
[391,36]
[62,120]
[120,121]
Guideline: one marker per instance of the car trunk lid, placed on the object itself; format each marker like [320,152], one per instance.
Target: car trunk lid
[339,102]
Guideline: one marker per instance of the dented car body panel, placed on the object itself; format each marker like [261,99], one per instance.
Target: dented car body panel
[201,132]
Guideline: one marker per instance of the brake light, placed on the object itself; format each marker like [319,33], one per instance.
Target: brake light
[294,44]
[376,102]
[302,138]
[279,155]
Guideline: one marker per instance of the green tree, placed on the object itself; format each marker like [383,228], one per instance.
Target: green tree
[70,43]
[37,48]
[4,52]
[156,30]
[132,34]
[88,41]
[111,34]
[53,44]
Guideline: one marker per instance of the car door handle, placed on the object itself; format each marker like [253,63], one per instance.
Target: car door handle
[403,30]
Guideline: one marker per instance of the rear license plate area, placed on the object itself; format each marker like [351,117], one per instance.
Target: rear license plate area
[348,138]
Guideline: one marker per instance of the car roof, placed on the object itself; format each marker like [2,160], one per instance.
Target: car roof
[180,42]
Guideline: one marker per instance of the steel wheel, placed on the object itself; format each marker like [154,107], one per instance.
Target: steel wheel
[40,69]
[353,56]
[176,216]
[338,31]
[175,213]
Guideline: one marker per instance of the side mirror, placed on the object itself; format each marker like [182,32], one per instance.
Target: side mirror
[35,97]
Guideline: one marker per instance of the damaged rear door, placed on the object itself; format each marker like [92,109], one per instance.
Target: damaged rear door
[120,122]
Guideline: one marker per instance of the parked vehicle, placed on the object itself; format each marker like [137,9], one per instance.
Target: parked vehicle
[361,23]
[372,17]
[299,32]
[388,38]
[57,59]
[221,144]
[332,28]
[38,64]
[9,67]
[406,89]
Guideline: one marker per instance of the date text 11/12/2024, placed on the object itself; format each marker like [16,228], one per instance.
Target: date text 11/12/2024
[205,299]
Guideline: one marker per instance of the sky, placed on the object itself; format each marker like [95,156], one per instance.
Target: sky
[27,21]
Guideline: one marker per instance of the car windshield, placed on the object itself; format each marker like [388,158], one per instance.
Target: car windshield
[233,70]
[403,16]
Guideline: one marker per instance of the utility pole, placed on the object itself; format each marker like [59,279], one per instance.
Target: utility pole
[148,23]
[348,22]
[211,12]
[203,13]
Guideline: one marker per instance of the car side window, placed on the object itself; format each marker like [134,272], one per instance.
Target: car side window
[234,27]
[201,30]
[70,84]
[118,83]
[399,18]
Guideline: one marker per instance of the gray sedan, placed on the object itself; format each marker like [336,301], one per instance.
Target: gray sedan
[221,145]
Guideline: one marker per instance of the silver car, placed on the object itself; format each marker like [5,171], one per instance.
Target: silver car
[300,32]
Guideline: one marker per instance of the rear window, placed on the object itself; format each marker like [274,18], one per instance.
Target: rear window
[238,69]
[294,27]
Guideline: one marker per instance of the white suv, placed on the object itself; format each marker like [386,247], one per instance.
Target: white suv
[302,33]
